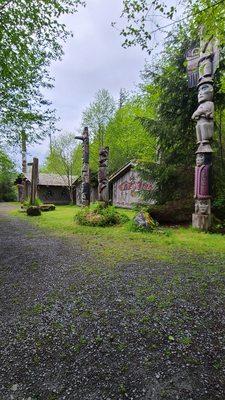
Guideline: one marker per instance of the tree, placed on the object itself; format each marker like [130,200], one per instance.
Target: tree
[61,159]
[127,137]
[31,37]
[98,114]
[172,126]
[7,176]
[146,17]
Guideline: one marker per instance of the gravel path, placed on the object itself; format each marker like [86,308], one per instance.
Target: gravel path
[74,329]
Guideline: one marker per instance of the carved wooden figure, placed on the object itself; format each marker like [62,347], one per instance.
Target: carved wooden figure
[204,115]
[85,171]
[102,175]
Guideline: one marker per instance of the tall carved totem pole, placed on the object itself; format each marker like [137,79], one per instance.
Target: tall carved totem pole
[34,180]
[207,62]
[103,192]
[85,171]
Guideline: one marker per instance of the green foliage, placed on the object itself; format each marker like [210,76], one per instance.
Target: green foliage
[172,126]
[125,135]
[32,33]
[98,214]
[7,176]
[37,202]
[173,212]
[136,13]
[218,208]
[98,115]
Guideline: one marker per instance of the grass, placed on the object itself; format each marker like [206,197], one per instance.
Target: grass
[118,243]
[157,312]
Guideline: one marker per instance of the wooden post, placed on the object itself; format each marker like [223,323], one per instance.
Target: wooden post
[85,171]
[103,192]
[34,180]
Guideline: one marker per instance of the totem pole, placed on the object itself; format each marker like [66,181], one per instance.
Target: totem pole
[34,180]
[24,163]
[207,64]
[85,172]
[103,193]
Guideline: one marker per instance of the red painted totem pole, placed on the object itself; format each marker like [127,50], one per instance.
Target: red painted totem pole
[207,63]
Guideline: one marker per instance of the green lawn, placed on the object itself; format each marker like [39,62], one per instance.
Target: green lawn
[118,243]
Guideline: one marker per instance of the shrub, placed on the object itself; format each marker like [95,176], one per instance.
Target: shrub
[173,212]
[33,211]
[99,214]
[37,202]
[218,208]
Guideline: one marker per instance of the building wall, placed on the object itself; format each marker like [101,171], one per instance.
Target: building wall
[126,190]
[53,194]
[47,194]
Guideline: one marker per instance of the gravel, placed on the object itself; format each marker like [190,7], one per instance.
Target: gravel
[74,329]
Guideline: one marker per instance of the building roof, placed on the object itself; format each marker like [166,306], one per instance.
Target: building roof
[116,175]
[51,179]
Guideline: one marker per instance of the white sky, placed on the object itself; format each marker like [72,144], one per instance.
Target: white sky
[94,59]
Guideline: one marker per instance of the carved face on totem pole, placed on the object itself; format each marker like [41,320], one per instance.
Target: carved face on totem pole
[200,159]
[202,206]
[205,92]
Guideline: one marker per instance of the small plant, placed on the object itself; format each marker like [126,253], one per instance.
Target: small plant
[99,214]
[37,202]
[151,298]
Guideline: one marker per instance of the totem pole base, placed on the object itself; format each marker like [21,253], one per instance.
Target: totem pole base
[201,221]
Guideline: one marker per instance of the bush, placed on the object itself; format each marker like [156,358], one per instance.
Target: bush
[218,208]
[173,212]
[33,211]
[37,203]
[99,214]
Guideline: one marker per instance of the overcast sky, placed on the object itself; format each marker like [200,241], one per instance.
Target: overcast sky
[94,59]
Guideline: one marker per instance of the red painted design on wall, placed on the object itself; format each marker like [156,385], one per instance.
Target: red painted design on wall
[127,190]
